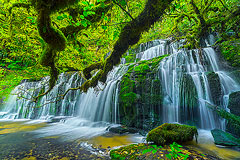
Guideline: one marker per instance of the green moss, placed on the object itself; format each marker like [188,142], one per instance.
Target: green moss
[142,68]
[169,133]
[231,51]
[130,58]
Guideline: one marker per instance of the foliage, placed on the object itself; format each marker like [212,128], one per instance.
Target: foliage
[231,51]
[169,133]
[88,42]
[11,78]
[147,151]
[175,152]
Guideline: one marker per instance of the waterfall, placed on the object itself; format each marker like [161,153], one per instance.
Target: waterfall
[186,84]
[188,79]
[93,105]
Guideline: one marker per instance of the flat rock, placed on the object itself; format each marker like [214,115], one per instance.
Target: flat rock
[224,138]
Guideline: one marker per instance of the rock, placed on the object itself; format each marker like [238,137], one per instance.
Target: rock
[215,87]
[233,105]
[224,138]
[236,75]
[168,133]
[122,129]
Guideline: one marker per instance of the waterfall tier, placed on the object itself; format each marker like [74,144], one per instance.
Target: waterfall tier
[175,89]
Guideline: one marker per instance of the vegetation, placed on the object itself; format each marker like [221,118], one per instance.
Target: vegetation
[169,133]
[71,35]
[147,151]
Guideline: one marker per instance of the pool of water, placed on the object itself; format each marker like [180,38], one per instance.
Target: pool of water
[79,139]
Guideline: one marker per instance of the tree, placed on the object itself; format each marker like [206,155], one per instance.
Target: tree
[55,39]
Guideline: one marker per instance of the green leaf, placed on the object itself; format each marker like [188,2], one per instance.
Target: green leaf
[169,156]
[147,150]
[85,13]
[60,18]
[84,23]
[123,3]
[155,146]
[77,24]
[65,16]
[85,2]
[104,27]
[154,151]
[82,17]
[90,12]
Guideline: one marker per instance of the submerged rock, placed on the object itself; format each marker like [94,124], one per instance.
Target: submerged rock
[122,129]
[169,133]
[224,138]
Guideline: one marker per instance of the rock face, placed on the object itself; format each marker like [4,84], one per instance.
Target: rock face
[169,133]
[140,95]
[225,139]
[233,105]
[215,87]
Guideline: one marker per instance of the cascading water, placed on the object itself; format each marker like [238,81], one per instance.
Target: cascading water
[185,85]
[86,114]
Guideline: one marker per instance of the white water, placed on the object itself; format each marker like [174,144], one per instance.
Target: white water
[183,76]
[197,64]
[81,115]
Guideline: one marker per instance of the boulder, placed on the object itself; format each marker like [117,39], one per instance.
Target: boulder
[224,138]
[122,129]
[168,133]
[233,105]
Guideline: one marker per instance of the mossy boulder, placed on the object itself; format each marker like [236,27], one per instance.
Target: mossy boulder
[168,133]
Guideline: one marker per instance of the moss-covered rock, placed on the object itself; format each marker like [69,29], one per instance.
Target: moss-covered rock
[169,133]
[140,95]
[215,87]
[224,138]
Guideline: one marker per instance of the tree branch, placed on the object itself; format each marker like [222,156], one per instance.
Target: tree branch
[123,9]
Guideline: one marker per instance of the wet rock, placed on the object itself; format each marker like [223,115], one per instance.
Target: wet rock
[215,87]
[122,129]
[224,138]
[233,105]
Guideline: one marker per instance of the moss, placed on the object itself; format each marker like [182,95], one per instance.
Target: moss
[130,58]
[142,68]
[169,133]
[231,51]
